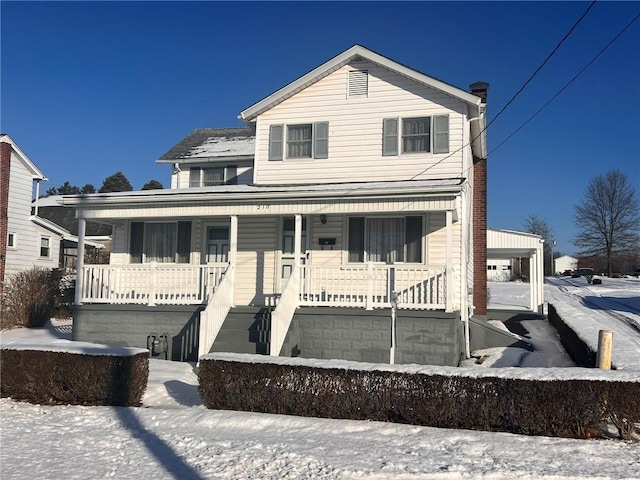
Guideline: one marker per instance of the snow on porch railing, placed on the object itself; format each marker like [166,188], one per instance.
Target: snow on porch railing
[370,286]
[148,284]
[219,302]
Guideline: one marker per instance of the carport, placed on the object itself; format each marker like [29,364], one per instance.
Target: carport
[507,244]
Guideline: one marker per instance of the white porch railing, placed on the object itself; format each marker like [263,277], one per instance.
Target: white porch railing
[283,314]
[219,302]
[148,284]
[370,286]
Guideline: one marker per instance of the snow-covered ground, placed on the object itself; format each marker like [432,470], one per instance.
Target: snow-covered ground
[174,436]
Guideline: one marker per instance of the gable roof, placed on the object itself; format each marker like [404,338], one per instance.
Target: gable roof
[357,51]
[36,174]
[211,143]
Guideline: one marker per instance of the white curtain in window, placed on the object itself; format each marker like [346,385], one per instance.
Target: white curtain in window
[415,134]
[299,141]
[385,239]
[160,242]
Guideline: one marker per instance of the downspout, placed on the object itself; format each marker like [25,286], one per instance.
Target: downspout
[35,211]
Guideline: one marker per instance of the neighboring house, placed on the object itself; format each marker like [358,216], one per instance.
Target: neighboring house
[564,263]
[27,240]
[346,221]
[97,236]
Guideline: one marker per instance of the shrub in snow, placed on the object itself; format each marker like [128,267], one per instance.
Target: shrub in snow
[29,298]
[65,378]
[573,408]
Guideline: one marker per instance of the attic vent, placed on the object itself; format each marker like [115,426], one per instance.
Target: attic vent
[358,83]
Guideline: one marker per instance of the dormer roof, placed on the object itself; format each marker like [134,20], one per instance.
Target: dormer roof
[236,143]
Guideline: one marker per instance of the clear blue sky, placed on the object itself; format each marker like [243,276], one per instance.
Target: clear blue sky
[92,88]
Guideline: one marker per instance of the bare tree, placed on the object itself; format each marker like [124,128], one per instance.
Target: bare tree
[608,218]
[538,226]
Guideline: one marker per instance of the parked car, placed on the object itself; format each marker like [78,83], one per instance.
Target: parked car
[584,272]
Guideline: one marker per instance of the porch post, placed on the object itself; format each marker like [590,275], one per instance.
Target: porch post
[233,250]
[82,227]
[297,243]
[449,262]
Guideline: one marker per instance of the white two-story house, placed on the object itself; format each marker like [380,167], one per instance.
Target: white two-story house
[346,220]
[27,240]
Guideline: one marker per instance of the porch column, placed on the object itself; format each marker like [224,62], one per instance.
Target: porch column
[297,242]
[82,227]
[540,280]
[449,262]
[533,274]
[233,251]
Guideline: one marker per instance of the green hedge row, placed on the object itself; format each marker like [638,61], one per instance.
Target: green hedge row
[52,378]
[563,408]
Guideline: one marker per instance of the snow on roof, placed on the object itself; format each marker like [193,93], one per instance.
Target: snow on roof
[212,143]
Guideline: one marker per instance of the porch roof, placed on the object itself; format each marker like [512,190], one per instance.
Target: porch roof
[416,195]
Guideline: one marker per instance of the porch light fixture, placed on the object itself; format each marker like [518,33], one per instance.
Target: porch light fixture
[323,219]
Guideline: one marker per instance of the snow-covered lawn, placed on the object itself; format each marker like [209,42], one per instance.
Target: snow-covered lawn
[174,436]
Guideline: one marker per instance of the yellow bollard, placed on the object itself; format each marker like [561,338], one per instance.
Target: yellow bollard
[605,345]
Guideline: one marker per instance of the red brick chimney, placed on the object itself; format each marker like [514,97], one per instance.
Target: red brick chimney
[5,170]
[480,220]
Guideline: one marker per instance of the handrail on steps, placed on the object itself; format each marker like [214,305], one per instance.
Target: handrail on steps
[219,303]
[285,310]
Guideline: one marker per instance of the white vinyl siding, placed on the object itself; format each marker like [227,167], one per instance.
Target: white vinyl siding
[356,131]
[26,251]
[256,260]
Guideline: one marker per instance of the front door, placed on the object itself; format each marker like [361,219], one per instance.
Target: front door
[287,242]
[217,246]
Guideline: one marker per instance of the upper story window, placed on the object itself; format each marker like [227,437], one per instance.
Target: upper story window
[211,176]
[45,247]
[416,135]
[309,140]
[11,240]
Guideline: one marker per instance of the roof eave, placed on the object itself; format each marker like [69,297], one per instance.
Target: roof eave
[187,195]
[234,158]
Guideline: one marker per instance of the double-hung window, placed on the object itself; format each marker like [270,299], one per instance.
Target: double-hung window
[385,239]
[415,135]
[45,247]
[162,242]
[308,140]
[211,176]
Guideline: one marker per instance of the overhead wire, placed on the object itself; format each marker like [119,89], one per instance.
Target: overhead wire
[575,77]
[531,77]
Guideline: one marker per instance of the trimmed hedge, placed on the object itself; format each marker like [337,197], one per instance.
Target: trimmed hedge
[61,378]
[562,408]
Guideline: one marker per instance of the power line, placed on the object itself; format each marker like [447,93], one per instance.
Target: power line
[567,84]
[555,49]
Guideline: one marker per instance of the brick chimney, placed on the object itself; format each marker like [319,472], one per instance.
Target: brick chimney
[5,170]
[480,220]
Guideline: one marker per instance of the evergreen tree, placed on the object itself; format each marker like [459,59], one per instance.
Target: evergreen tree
[116,183]
[152,185]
